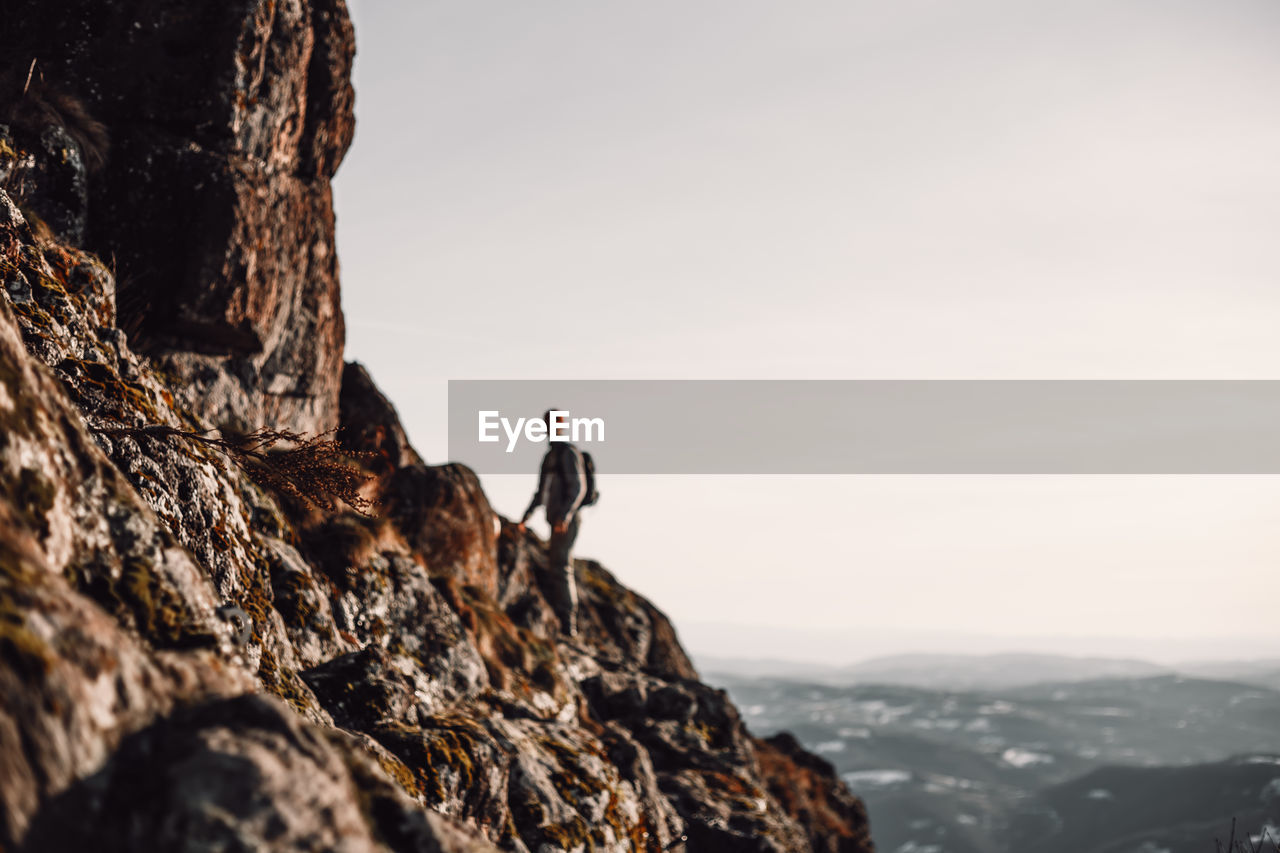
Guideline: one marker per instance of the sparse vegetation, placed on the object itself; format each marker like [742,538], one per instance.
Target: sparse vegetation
[312,469]
[31,104]
[1266,843]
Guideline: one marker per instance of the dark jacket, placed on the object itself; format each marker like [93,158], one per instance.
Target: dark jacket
[562,484]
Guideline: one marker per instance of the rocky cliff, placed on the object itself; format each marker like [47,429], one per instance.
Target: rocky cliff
[204,643]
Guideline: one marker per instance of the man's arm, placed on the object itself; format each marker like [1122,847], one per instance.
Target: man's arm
[543,473]
[574,472]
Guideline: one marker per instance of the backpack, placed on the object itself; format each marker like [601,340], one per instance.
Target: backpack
[589,467]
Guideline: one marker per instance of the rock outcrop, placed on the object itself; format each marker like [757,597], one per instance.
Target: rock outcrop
[226,122]
[195,656]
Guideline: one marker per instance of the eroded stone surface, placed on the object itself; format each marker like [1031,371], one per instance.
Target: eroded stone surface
[226,121]
[193,660]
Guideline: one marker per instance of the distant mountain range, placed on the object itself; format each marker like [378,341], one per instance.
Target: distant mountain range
[979,672]
[1262,672]
[994,671]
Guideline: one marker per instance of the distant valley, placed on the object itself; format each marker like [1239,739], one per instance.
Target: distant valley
[974,755]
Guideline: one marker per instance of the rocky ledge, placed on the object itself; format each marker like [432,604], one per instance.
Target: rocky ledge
[206,649]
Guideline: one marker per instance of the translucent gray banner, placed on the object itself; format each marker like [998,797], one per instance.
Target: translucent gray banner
[876,427]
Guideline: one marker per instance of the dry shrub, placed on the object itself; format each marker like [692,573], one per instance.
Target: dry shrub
[314,469]
[1265,843]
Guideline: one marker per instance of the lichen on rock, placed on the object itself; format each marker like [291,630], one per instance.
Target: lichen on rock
[193,659]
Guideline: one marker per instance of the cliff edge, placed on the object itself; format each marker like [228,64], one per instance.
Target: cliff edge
[206,649]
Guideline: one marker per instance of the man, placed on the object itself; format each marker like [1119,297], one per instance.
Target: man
[564,484]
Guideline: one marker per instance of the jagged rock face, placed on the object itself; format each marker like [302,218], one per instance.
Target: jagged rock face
[192,658]
[226,776]
[369,423]
[806,787]
[226,121]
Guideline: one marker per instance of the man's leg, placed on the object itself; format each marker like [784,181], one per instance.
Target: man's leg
[563,589]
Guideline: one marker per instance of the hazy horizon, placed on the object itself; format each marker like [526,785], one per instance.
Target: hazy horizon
[835,648]
[842,190]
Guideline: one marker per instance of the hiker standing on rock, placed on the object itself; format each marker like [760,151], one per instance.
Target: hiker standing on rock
[565,485]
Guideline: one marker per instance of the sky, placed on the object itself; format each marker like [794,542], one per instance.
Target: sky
[840,189]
